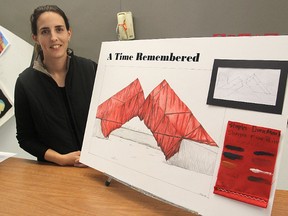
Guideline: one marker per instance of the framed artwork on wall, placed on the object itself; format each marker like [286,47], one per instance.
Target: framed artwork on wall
[4,43]
[257,85]
[6,106]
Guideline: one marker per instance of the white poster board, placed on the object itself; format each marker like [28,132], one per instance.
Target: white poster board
[130,152]
[13,60]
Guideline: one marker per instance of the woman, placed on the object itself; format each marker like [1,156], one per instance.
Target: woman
[52,96]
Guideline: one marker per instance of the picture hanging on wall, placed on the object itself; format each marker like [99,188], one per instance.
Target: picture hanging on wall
[6,110]
[257,85]
[4,43]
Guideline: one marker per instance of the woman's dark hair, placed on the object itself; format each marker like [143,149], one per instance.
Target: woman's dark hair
[46,8]
[33,20]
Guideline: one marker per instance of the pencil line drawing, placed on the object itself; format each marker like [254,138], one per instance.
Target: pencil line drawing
[247,85]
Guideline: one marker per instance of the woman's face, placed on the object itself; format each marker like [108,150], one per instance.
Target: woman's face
[52,36]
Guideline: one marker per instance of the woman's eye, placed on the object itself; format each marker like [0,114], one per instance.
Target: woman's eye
[60,29]
[45,32]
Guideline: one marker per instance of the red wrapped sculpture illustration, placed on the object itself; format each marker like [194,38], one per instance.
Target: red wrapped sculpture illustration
[120,108]
[171,121]
[168,118]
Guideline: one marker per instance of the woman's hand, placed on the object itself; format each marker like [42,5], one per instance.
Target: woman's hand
[70,159]
[77,163]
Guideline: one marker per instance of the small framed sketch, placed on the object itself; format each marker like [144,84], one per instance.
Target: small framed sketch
[257,85]
[4,43]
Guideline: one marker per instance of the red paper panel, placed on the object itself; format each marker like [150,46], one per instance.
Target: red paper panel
[247,163]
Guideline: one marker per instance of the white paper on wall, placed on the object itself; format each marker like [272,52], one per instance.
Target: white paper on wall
[13,60]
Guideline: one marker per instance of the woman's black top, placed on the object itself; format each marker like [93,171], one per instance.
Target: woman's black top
[50,117]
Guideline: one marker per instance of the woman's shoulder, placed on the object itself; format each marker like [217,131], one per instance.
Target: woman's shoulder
[28,72]
[82,60]
[84,63]
[30,75]
[26,78]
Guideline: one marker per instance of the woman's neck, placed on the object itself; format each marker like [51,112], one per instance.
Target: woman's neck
[57,69]
[56,66]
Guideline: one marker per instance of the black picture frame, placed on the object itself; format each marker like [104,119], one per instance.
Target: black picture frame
[281,66]
[7,103]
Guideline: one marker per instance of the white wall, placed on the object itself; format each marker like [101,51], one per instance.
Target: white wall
[9,142]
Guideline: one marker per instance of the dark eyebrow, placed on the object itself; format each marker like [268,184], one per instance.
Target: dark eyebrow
[58,26]
[44,28]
